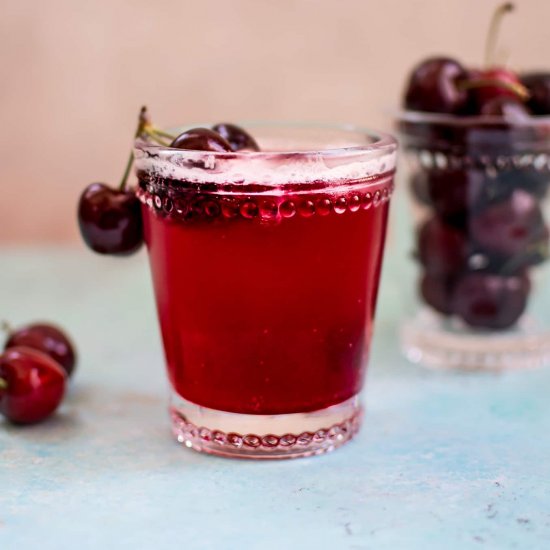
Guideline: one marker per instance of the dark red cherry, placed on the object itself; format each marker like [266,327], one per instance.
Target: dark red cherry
[436,291]
[201,139]
[442,249]
[534,254]
[511,109]
[110,220]
[48,339]
[490,301]
[538,85]
[494,83]
[32,385]
[510,226]
[434,86]
[237,137]
[455,192]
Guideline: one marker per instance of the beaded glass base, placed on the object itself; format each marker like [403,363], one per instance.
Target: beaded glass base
[264,436]
[436,342]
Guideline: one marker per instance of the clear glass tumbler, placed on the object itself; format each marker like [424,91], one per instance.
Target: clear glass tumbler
[265,267]
[479,189]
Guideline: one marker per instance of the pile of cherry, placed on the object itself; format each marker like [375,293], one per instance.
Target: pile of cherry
[110,219]
[34,368]
[485,229]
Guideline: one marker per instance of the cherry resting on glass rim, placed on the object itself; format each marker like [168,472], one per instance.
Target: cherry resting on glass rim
[491,301]
[110,220]
[32,385]
[236,277]
[495,82]
[434,86]
[201,139]
[48,339]
[237,137]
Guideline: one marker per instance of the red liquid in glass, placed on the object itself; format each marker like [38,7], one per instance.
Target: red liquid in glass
[266,303]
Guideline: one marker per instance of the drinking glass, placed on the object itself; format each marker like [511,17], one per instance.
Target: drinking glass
[265,267]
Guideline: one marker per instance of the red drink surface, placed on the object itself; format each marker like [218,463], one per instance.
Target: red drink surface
[266,302]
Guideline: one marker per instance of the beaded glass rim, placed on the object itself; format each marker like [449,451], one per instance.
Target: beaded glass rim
[351,154]
[443,119]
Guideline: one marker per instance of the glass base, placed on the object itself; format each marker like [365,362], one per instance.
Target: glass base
[264,436]
[437,342]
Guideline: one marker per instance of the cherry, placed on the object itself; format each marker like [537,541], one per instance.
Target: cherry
[442,249]
[201,139]
[490,301]
[32,385]
[436,290]
[538,85]
[236,136]
[534,254]
[110,220]
[493,83]
[434,86]
[48,339]
[455,192]
[510,108]
[510,226]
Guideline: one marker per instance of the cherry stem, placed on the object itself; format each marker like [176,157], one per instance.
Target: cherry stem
[124,179]
[144,127]
[143,120]
[155,135]
[519,89]
[6,327]
[3,384]
[162,133]
[494,27]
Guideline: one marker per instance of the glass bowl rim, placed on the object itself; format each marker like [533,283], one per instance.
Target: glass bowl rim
[484,121]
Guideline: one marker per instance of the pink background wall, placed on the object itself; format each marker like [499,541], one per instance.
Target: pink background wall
[75,72]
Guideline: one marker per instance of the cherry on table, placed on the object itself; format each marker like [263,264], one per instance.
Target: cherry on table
[32,385]
[509,226]
[434,86]
[48,339]
[237,137]
[110,220]
[442,249]
[538,85]
[486,300]
[201,139]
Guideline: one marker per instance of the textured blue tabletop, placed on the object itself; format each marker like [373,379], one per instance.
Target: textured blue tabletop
[443,460]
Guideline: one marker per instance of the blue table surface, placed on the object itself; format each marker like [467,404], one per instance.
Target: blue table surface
[444,460]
